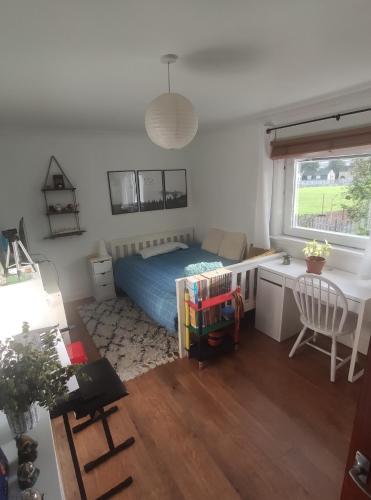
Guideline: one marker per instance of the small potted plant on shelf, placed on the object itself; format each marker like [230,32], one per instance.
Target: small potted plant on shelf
[30,376]
[316,254]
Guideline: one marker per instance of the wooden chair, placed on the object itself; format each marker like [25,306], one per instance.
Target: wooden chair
[324,309]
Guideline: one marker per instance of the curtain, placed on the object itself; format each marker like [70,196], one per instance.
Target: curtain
[263,192]
[339,140]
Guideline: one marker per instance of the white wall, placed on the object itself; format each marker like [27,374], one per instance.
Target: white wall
[86,157]
[225,163]
[222,165]
[224,176]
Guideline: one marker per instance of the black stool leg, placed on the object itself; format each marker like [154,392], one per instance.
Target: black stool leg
[75,460]
[113,450]
[84,425]
[116,489]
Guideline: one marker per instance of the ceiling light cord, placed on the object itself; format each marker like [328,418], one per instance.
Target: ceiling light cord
[168,76]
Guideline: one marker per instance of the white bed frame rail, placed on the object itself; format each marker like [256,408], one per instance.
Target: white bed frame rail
[131,246]
[244,275]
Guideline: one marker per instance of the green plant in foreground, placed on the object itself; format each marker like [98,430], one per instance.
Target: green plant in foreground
[316,249]
[31,375]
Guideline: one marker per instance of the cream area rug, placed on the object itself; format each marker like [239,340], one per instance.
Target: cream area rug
[127,337]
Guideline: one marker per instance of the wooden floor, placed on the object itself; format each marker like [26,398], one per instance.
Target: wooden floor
[254,425]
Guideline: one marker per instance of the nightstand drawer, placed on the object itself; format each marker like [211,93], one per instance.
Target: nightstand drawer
[104,278]
[104,291]
[101,266]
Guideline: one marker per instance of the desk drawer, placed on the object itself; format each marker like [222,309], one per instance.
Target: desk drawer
[272,277]
[268,313]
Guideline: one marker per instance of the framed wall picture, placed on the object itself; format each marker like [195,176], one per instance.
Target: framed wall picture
[175,182]
[123,191]
[151,190]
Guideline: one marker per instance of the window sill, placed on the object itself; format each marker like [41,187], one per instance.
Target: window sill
[341,257]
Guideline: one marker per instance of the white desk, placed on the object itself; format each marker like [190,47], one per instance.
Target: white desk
[49,481]
[276,310]
[37,301]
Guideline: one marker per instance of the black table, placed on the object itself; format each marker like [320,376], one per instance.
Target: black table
[99,386]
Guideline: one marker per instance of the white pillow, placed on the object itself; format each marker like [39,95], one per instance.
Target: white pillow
[213,240]
[233,246]
[160,249]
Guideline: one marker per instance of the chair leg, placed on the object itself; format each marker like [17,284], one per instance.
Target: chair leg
[297,341]
[353,338]
[333,360]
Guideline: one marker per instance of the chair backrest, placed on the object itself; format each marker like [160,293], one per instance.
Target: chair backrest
[322,305]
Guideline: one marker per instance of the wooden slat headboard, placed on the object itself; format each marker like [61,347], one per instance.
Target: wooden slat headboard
[130,246]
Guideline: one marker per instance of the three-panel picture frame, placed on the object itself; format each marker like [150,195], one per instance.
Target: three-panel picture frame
[146,190]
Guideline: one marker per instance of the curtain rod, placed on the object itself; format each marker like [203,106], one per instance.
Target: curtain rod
[313,120]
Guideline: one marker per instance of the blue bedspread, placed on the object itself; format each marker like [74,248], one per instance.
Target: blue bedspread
[150,283]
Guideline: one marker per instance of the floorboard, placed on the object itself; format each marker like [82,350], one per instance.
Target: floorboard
[254,425]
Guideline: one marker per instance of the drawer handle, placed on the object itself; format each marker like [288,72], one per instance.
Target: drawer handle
[271,282]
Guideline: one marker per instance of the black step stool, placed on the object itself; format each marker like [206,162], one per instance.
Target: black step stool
[99,386]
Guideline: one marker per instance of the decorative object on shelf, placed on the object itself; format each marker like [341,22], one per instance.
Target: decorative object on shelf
[27,474]
[43,378]
[31,494]
[123,191]
[22,261]
[175,185]
[21,422]
[215,338]
[286,259]
[27,448]
[316,254]
[151,190]
[60,183]
[170,120]
[4,474]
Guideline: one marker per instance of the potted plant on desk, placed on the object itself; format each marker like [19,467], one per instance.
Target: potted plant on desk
[30,376]
[316,254]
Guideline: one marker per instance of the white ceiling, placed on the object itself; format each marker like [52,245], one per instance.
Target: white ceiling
[95,63]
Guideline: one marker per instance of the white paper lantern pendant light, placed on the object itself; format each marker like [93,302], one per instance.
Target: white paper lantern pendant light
[171,121]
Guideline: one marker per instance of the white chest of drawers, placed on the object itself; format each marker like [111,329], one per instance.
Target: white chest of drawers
[102,278]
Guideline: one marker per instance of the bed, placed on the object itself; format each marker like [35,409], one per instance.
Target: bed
[150,283]
[158,284]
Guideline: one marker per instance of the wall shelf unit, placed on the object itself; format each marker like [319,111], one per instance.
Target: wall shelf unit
[64,204]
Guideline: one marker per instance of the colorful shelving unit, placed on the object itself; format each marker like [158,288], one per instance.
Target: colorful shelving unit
[196,343]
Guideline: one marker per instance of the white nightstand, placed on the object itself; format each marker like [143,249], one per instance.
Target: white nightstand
[102,278]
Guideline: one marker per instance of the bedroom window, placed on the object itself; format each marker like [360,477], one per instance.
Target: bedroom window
[329,198]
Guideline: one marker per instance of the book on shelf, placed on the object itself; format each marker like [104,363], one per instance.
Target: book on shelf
[204,286]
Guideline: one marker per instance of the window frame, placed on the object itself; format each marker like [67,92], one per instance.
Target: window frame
[289,229]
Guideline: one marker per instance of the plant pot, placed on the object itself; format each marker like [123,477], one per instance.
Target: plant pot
[315,264]
[20,423]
